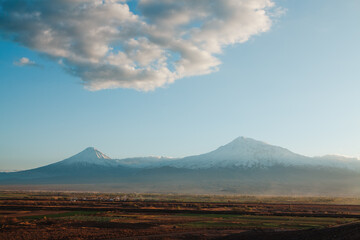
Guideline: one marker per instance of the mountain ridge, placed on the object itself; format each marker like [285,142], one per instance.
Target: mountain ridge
[241,152]
[243,166]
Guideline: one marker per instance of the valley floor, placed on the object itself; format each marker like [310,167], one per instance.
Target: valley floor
[55,215]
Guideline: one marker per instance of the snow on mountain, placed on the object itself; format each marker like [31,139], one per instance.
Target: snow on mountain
[339,158]
[271,170]
[241,152]
[145,162]
[89,156]
[92,156]
[247,152]
[339,161]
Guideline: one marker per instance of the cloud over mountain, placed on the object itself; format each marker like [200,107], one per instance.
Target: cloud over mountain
[107,45]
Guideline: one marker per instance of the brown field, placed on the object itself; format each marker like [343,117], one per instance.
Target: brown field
[54,215]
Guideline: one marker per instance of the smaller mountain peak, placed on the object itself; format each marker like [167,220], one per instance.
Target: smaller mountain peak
[90,149]
[91,152]
[89,155]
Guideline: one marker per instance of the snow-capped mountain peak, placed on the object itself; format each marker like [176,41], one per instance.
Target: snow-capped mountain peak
[92,152]
[243,145]
[89,156]
[245,140]
[244,152]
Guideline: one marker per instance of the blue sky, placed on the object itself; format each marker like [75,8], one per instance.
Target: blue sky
[295,85]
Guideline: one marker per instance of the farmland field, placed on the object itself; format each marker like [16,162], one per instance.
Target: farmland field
[56,215]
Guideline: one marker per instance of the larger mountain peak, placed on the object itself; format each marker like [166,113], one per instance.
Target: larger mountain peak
[243,152]
[245,141]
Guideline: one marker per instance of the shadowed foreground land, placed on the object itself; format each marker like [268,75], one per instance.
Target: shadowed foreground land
[44,215]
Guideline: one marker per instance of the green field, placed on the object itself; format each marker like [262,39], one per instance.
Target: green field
[246,221]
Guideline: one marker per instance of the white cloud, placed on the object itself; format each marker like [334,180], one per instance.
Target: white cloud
[108,46]
[24,62]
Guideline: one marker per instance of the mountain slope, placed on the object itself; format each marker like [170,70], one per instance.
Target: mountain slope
[248,153]
[90,165]
[89,156]
[244,166]
[145,162]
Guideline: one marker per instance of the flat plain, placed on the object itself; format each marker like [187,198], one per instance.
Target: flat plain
[76,215]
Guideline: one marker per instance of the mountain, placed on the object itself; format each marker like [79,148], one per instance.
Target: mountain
[89,156]
[243,152]
[248,153]
[244,166]
[146,162]
[88,166]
